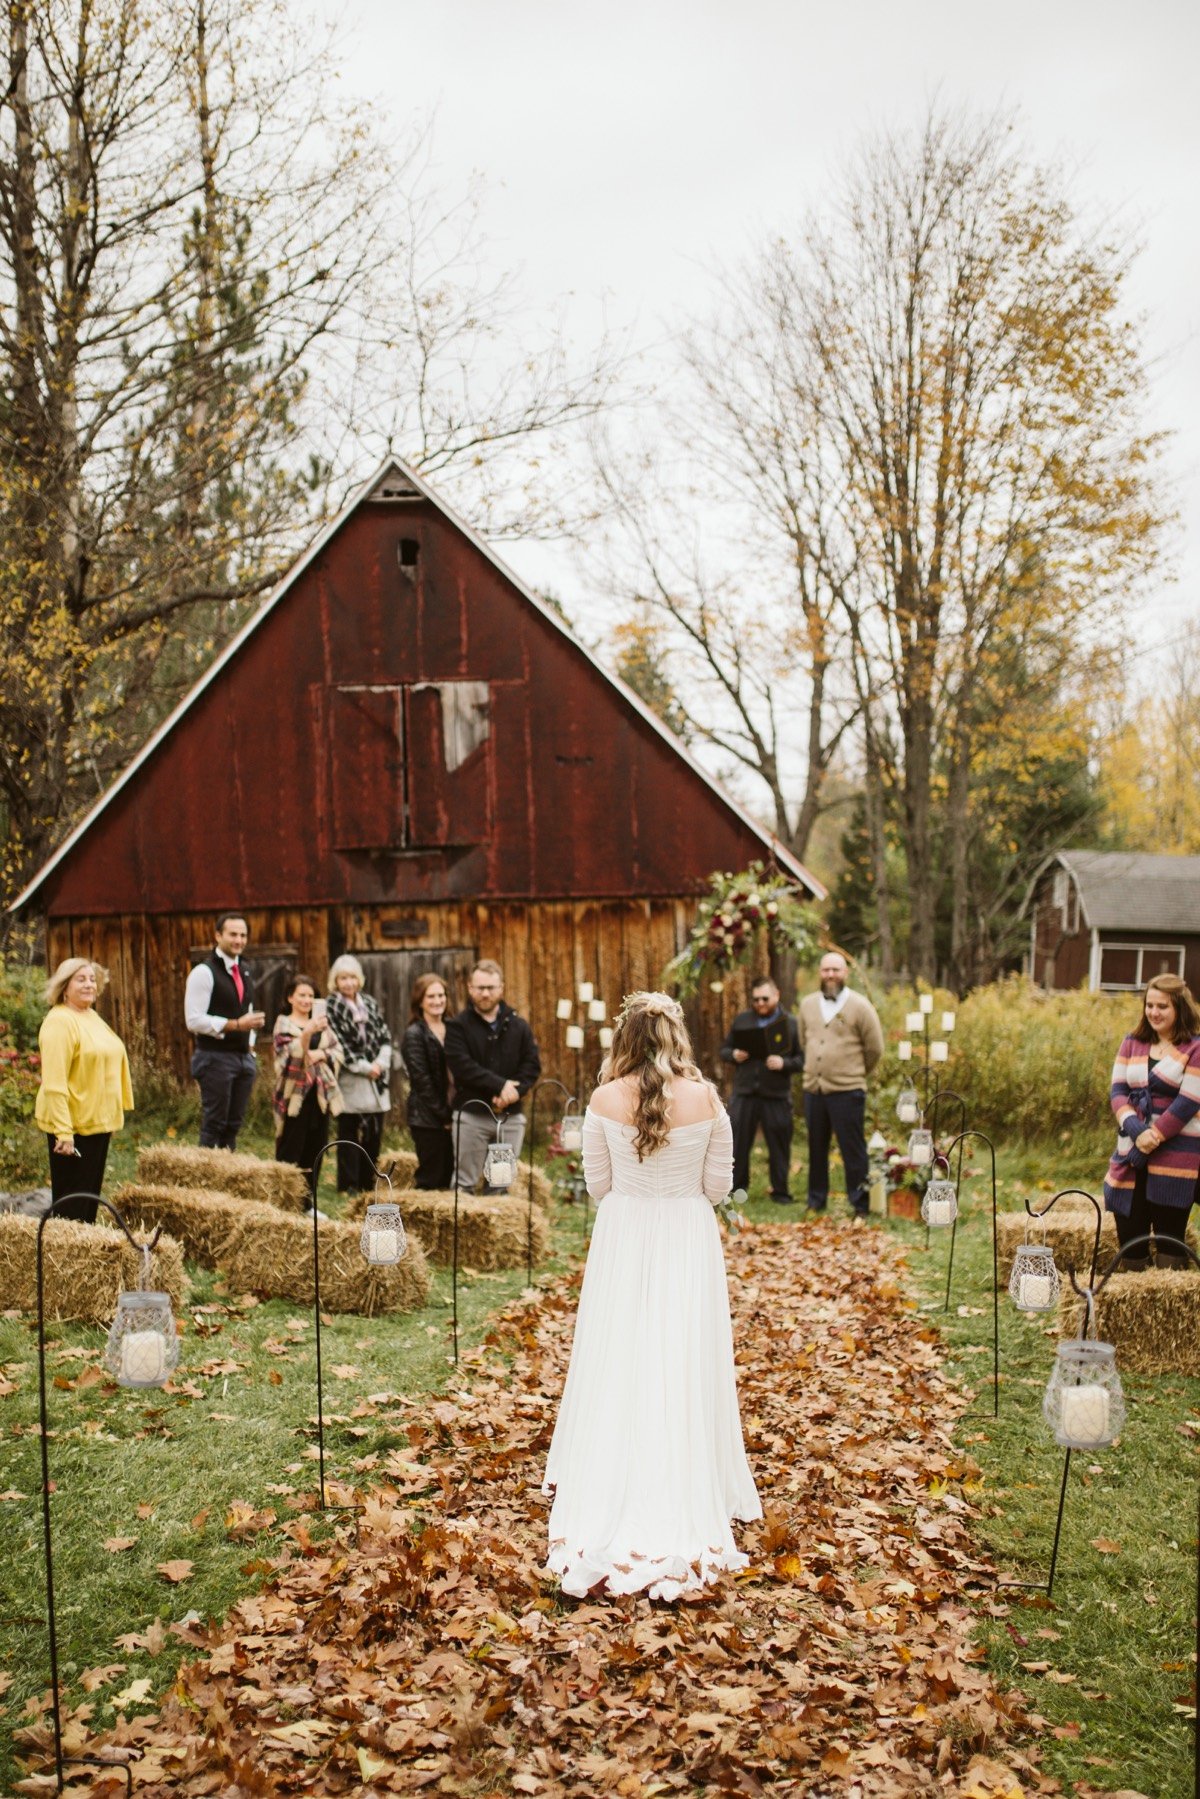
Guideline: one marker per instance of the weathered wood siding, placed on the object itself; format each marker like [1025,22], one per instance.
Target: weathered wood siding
[545,949]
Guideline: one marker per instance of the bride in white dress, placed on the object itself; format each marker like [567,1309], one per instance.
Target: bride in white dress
[647,1462]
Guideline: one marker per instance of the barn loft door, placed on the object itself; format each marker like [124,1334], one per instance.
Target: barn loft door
[366,748]
[448,737]
[389,975]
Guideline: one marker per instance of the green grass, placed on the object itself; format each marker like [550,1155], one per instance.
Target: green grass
[244,1434]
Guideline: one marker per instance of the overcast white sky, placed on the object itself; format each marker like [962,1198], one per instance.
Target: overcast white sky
[628,146]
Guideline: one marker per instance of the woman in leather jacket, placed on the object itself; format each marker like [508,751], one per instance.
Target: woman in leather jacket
[423,1049]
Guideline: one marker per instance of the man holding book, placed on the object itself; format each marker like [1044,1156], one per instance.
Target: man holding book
[764,1047]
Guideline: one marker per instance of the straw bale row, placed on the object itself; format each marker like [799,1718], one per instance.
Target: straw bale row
[493,1230]
[1152,1317]
[261,1250]
[276,1184]
[85,1267]
[1069,1231]
[401,1165]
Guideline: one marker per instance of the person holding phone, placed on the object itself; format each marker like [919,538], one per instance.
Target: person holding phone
[218,1005]
[85,1089]
[307,1059]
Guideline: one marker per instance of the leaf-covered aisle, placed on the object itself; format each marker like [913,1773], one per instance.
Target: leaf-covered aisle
[433,1656]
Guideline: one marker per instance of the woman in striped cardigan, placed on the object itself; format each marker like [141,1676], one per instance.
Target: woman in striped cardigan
[1151,1179]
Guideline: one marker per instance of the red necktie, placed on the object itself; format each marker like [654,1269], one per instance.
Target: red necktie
[236,974]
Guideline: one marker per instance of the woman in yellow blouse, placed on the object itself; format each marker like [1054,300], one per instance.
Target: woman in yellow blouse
[85,1091]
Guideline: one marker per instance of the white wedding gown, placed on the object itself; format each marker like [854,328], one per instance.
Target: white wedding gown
[647,1461]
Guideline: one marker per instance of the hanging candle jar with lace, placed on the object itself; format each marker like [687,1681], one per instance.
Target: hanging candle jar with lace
[143,1343]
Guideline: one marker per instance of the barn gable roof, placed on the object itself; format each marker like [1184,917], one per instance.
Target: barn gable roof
[395,480]
[1130,891]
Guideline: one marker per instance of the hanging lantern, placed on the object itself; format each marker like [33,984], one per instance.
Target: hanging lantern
[920,1148]
[877,1173]
[947,1023]
[563,1009]
[940,1204]
[1083,1403]
[500,1165]
[1033,1284]
[908,1105]
[570,1132]
[143,1344]
[383,1240]
[574,1036]
[914,1021]
[904,1050]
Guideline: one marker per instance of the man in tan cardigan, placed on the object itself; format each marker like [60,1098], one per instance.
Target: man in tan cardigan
[842,1039]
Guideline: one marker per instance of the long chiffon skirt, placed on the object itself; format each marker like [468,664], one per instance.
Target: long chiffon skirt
[647,1460]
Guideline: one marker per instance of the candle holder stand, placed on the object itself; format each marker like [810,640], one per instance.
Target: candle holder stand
[470,1105]
[60,1760]
[533,1100]
[956,1143]
[939,1094]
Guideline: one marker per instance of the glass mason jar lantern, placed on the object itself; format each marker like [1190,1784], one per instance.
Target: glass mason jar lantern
[1033,1284]
[908,1105]
[920,1148]
[570,1132]
[383,1240]
[143,1344]
[1083,1403]
[940,1203]
[500,1165]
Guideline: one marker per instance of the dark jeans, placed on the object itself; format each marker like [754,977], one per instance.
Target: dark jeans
[840,1115]
[747,1111]
[83,1173]
[303,1138]
[435,1157]
[354,1172]
[225,1078]
[1167,1224]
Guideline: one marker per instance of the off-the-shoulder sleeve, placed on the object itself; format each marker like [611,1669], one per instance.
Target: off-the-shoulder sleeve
[597,1161]
[718,1161]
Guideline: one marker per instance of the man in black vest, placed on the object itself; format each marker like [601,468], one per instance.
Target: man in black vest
[764,1046]
[491,1053]
[218,1004]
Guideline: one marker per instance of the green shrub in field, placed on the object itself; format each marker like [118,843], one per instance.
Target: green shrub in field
[22,1007]
[1034,1065]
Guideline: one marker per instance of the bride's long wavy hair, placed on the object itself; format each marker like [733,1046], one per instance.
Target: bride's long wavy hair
[650,1042]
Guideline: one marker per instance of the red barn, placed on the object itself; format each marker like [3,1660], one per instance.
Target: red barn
[405,754]
[1111,920]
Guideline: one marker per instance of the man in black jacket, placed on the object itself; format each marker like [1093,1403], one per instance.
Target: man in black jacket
[493,1057]
[764,1046]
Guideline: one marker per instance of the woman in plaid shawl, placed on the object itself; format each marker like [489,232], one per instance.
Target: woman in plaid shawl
[367,1047]
[307,1058]
[1155,1095]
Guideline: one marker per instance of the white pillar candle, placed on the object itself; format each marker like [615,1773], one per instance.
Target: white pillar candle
[383,1246]
[606,1038]
[143,1356]
[914,1021]
[939,1052]
[571,1135]
[941,1211]
[926,1002]
[920,1153]
[947,1023]
[563,1009]
[574,1036]
[1035,1294]
[501,1175]
[907,1114]
[904,1050]
[586,990]
[597,1011]
[1085,1415]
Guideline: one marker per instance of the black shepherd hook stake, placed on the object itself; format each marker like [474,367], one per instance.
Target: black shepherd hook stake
[480,1105]
[956,1143]
[376,1176]
[1037,1586]
[572,1100]
[941,1093]
[55,1706]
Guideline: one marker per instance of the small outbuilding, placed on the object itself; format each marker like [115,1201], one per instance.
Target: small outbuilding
[1111,920]
[408,755]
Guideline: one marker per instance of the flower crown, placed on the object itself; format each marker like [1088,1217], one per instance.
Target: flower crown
[652,1005]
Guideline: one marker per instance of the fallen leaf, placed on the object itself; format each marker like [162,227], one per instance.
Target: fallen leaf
[1106,1546]
[175,1571]
[115,1545]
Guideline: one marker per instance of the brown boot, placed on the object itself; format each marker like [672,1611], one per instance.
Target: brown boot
[1133,1264]
[1172,1258]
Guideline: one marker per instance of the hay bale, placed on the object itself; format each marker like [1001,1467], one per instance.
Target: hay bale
[276,1184]
[205,1223]
[400,1166]
[1069,1232]
[393,1164]
[85,1267]
[1153,1318]
[279,1262]
[493,1230]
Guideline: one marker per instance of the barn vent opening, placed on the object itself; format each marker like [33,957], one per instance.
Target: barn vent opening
[407,556]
